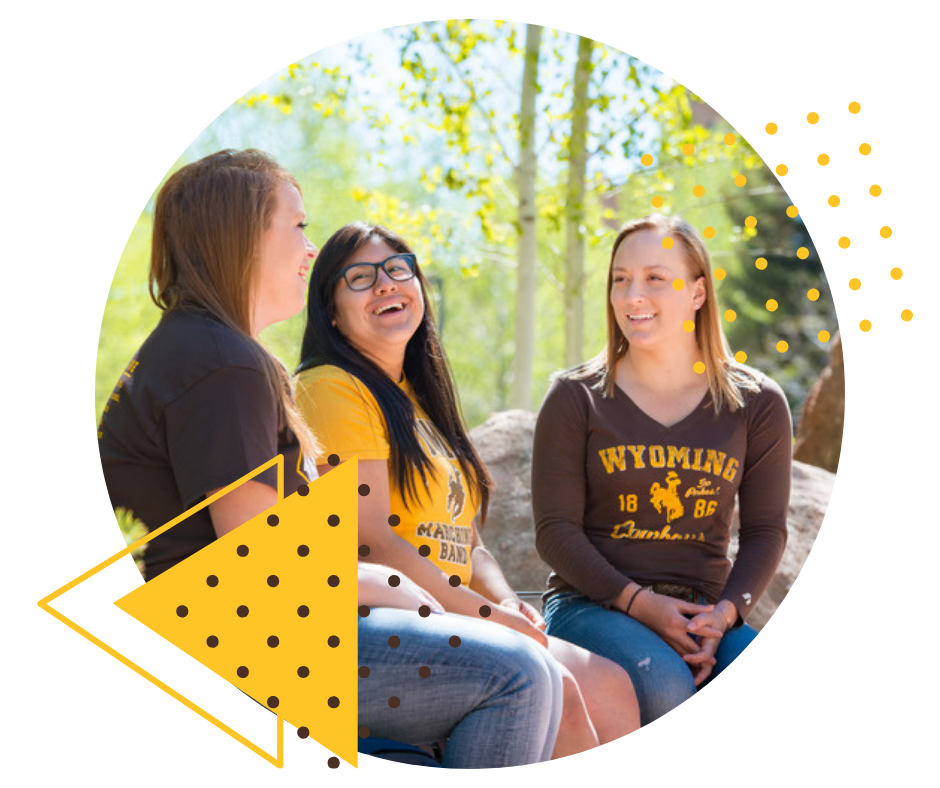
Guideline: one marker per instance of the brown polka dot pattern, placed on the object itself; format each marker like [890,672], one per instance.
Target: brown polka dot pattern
[394,702]
[394,641]
[333,702]
[454,641]
[268,572]
[364,732]
[333,460]
[364,672]
[303,732]
[393,520]
[363,490]
[303,490]
[364,611]
[485,611]
[394,581]
[424,671]
[333,762]
[424,611]
[454,580]
[364,550]
[424,551]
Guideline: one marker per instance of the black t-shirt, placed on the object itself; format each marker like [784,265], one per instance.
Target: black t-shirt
[192,412]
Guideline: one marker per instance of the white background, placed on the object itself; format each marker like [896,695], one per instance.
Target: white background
[99,101]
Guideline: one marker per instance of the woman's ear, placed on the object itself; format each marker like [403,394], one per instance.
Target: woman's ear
[699,294]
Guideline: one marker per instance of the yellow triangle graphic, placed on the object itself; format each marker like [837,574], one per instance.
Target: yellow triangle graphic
[274,598]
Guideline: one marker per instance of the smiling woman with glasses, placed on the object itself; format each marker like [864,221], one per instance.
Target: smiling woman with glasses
[374,382]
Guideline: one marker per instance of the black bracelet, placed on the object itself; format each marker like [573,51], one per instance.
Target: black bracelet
[626,610]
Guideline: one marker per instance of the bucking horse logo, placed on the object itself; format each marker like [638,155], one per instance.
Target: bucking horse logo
[667,497]
[455,494]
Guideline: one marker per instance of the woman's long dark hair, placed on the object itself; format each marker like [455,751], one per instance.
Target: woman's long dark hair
[425,367]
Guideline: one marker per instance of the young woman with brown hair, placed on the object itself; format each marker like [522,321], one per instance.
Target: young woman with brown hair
[203,403]
[639,455]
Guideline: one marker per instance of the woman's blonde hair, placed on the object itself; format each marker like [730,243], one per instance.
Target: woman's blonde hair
[207,227]
[726,378]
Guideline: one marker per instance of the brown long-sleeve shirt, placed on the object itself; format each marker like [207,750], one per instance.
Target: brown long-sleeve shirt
[619,497]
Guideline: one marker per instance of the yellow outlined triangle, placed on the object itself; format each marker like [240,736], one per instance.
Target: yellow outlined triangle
[332,553]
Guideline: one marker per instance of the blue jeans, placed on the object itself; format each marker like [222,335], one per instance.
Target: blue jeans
[661,679]
[496,697]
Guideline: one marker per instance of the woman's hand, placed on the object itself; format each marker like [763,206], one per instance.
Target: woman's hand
[711,627]
[533,615]
[669,618]
[514,619]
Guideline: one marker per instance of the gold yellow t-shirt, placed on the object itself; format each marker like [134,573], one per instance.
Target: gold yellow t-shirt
[348,421]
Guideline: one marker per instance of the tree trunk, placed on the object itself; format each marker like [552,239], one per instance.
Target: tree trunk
[525,180]
[574,208]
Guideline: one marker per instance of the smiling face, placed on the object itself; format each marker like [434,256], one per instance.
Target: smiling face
[380,320]
[649,310]
[284,260]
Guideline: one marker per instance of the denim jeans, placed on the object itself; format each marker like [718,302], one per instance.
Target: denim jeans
[661,679]
[496,697]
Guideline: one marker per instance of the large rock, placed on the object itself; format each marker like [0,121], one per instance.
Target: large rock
[819,435]
[810,490]
[505,444]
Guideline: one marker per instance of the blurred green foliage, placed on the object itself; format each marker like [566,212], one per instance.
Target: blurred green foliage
[416,133]
[132,529]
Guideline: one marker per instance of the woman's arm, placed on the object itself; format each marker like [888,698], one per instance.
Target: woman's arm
[763,499]
[488,579]
[239,506]
[559,494]
[385,547]
[376,591]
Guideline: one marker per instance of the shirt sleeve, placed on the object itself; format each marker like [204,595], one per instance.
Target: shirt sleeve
[763,498]
[342,414]
[222,428]
[559,495]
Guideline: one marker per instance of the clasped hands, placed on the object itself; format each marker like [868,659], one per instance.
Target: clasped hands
[693,631]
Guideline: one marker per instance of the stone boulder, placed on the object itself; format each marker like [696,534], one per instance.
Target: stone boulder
[819,435]
[505,444]
[810,490]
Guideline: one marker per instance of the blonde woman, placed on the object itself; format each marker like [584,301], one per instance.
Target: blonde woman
[639,455]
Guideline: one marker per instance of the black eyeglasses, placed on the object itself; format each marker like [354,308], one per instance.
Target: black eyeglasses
[362,276]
